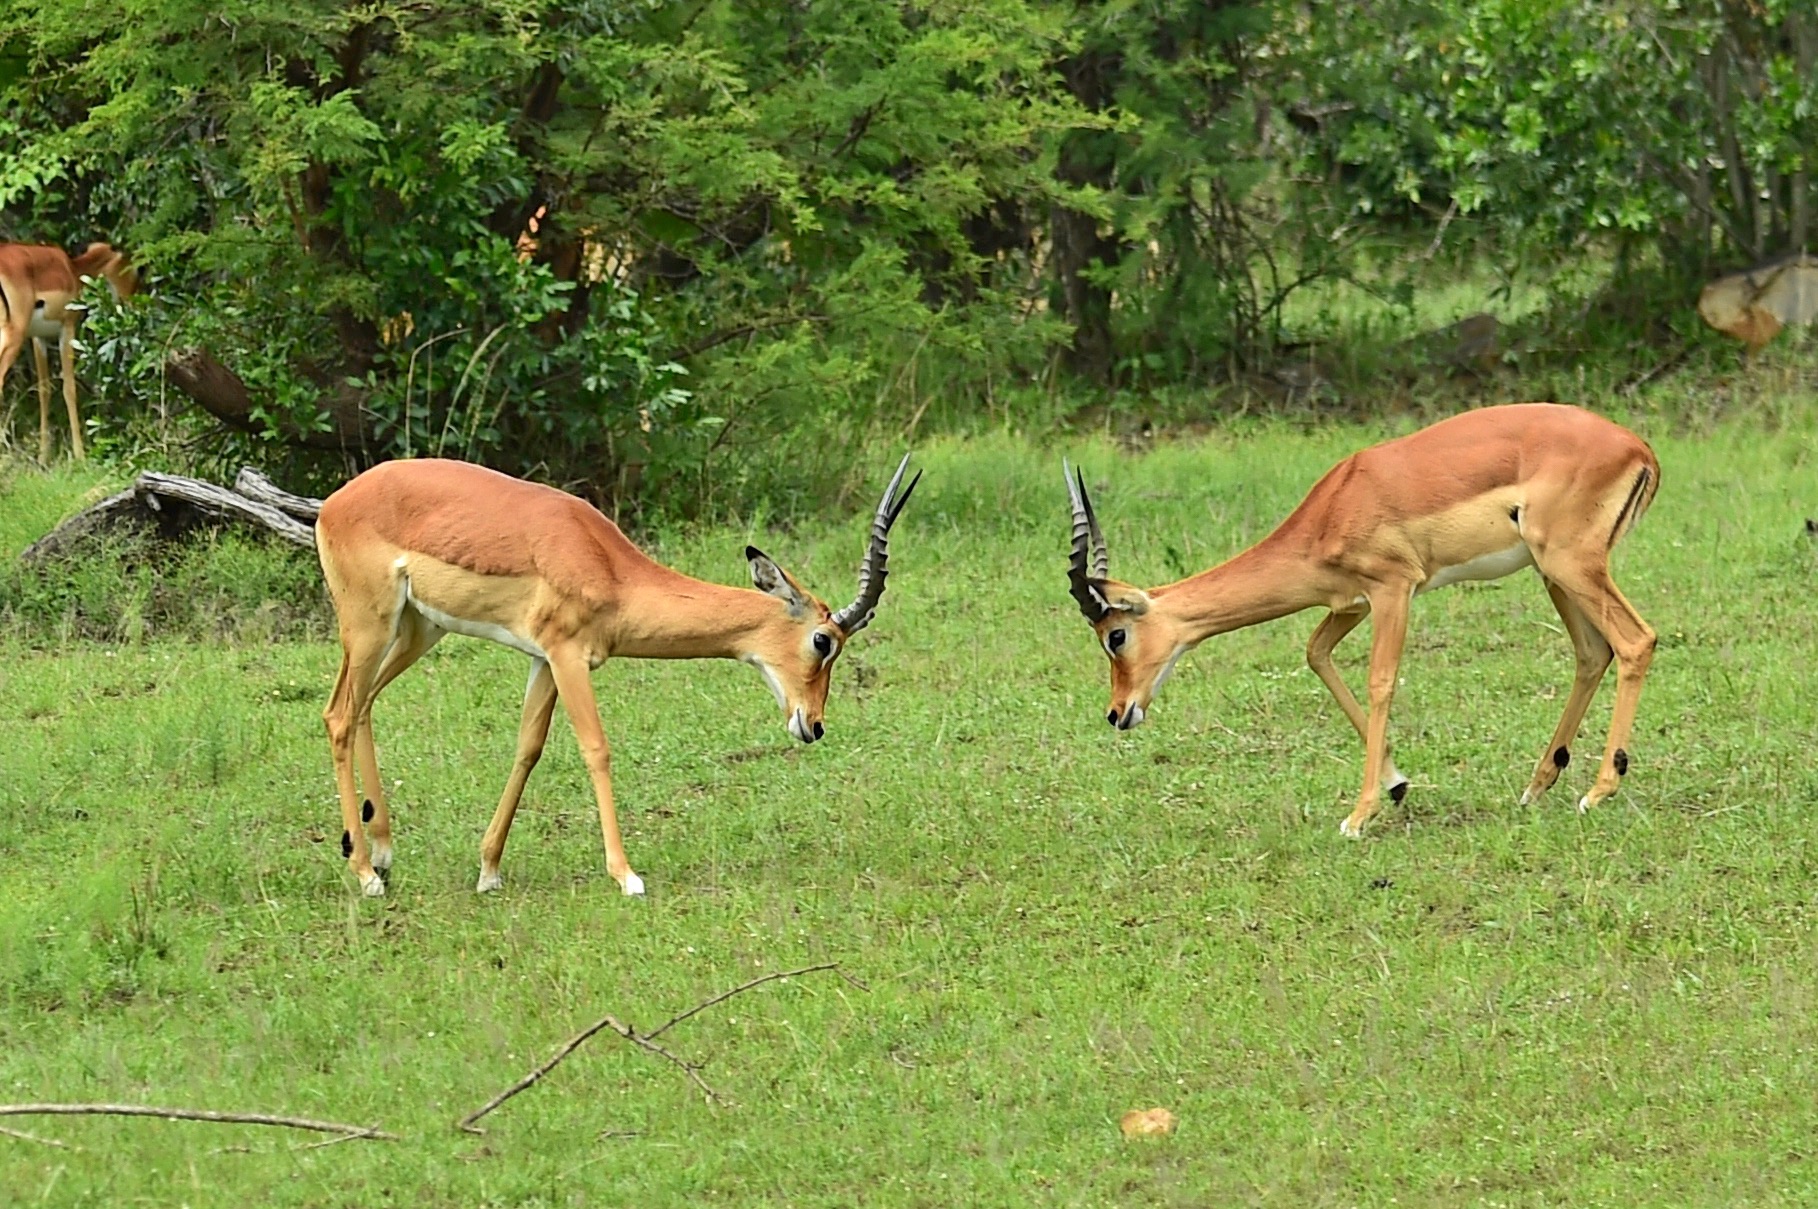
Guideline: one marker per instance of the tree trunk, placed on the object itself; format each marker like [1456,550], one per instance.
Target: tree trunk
[220,392]
[1087,158]
[1805,55]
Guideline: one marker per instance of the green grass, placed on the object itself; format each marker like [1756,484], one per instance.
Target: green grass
[1479,1004]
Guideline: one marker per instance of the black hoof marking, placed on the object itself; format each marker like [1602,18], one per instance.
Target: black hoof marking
[1622,762]
[366,812]
[1398,792]
[1561,757]
[346,844]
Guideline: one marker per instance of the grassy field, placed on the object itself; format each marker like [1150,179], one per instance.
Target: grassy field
[1478,1004]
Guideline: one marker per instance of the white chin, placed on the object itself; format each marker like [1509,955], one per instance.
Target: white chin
[1136,717]
[798,730]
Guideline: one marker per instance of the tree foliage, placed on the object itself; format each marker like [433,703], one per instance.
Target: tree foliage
[693,250]
[1688,125]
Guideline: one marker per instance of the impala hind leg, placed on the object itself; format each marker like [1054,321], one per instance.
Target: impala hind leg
[1326,636]
[1388,634]
[1586,580]
[415,635]
[1593,656]
[346,706]
[576,691]
[533,732]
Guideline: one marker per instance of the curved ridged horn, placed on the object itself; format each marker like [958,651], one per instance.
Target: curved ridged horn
[872,572]
[1087,539]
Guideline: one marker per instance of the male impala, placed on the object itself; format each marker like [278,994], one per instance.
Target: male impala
[1477,496]
[38,287]
[414,549]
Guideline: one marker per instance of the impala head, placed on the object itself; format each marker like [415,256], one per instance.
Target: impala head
[796,656]
[111,265]
[1142,642]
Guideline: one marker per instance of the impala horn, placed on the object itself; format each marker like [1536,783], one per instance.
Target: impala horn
[872,572]
[1086,539]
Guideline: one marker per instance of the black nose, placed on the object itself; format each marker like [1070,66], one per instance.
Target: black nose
[1111,717]
[819,730]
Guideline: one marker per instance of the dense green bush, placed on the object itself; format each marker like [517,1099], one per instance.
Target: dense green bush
[698,255]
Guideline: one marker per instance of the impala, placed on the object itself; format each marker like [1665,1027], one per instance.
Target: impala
[414,549]
[1477,496]
[38,289]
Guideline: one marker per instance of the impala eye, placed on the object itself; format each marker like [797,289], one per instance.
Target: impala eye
[822,643]
[1114,641]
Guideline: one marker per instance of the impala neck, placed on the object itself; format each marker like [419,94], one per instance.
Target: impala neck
[673,616]
[1267,581]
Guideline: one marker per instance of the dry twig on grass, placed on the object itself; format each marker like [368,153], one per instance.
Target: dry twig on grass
[645,1041]
[32,1137]
[192,1114]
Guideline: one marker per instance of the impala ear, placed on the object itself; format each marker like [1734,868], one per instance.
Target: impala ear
[772,580]
[1120,598]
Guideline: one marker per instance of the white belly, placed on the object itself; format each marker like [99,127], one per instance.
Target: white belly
[477,629]
[1485,566]
[47,330]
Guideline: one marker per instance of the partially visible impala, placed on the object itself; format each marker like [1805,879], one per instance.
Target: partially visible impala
[414,549]
[38,289]
[1477,496]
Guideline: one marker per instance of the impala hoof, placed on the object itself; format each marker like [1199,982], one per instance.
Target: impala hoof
[1585,804]
[1350,830]
[1528,796]
[632,885]
[488,882]
[373,887]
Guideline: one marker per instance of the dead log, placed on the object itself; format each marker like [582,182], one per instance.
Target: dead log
[220,392]
[174,505]
[255,486]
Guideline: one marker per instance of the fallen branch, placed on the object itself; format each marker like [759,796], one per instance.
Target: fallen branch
[643,1040]
[192,1114]
[218,503]
[32,1137]
[175,503]
[255,486]
[721,998]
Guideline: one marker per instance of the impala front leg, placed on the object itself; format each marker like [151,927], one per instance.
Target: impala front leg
[1326,637]
[575,690]
[1389,631]
[41,363]
[533,732]
[67,347]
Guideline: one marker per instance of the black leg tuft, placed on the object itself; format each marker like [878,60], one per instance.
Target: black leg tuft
[366,812]
[1398,792]
[346,844]
[1622,762]
[1561,757]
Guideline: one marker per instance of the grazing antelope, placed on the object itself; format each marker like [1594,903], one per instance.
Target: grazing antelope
[1477,496]
[414,549]
[38,289]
